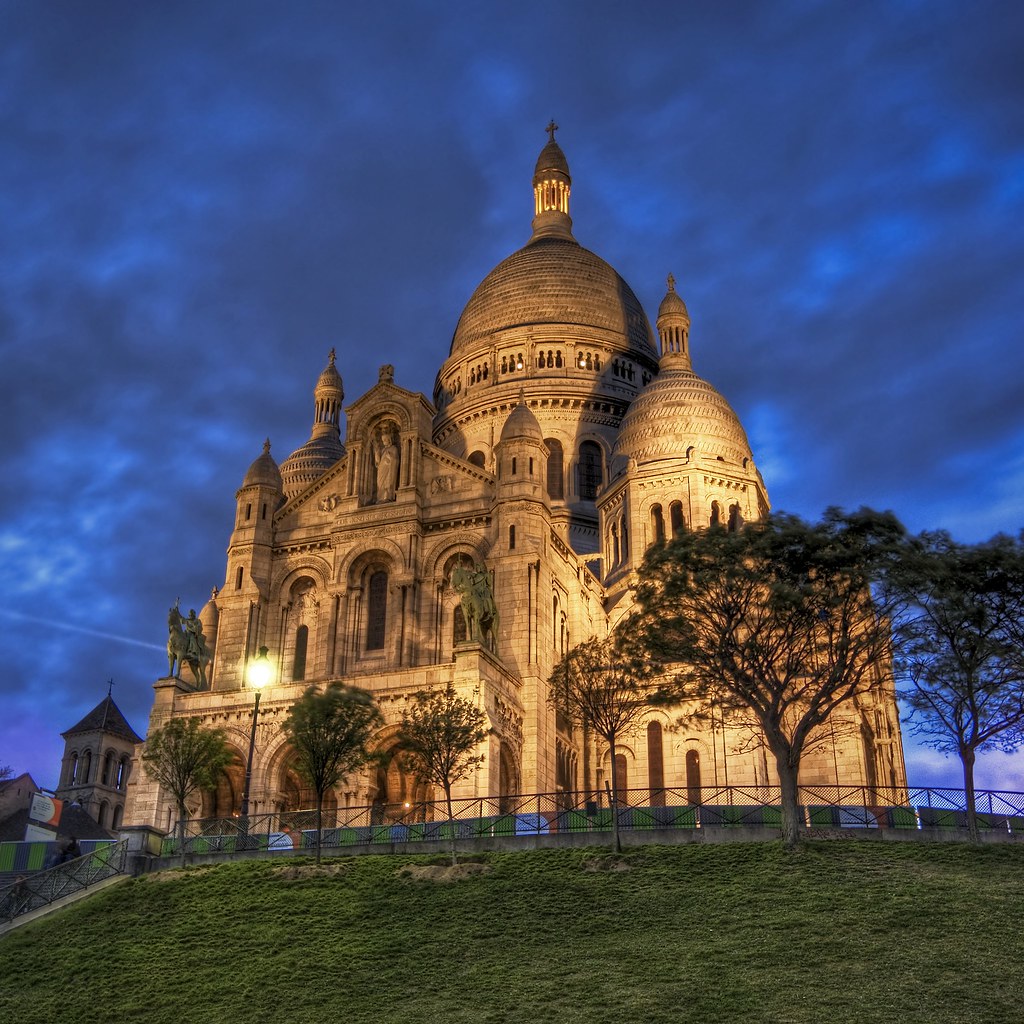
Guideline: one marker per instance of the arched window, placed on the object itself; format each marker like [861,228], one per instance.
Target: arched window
[615,544]
[118,817]
[376,610]
[716,514]
[621,777]
[675,511]
[101,817]
[554,622]
[73,769]
[477,458]
[238,579]
[122,772]
[655,764]
[301,643]
[86,768]
[108,768]
[735,519]
[625,539]
[589,470]
[693,777]
[556,481]
[511,538]
[657,525]
[459,632]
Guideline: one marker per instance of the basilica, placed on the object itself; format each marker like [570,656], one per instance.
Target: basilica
[563,437]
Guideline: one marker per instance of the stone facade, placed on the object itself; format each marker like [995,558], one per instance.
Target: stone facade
[558,446]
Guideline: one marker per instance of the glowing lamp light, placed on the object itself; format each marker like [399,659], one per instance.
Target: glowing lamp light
[519,363]
[260,671]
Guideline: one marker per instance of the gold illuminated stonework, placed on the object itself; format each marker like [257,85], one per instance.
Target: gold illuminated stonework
[560,444]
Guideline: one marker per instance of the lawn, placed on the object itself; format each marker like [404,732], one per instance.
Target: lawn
[843,931]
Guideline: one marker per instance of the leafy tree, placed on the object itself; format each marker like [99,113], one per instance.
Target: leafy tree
[438,737]
[775,623]
[329,731]
[962,652]
[183,757]
[603,685]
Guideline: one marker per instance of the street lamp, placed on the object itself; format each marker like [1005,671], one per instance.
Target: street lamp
[259,674]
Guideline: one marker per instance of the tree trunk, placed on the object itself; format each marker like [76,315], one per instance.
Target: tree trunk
[319,823]
[181,831]
[967,759]
[788,774]
[614,799]
[451,820]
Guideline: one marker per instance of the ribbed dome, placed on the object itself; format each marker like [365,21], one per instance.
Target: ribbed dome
[263,472]
[551,159]
[310,462]
[554,280]
[330,378]
[522,423]
[676,411]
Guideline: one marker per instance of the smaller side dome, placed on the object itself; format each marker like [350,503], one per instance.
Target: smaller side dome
[521,425]
[263,472]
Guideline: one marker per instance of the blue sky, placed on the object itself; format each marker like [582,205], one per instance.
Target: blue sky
[199,200]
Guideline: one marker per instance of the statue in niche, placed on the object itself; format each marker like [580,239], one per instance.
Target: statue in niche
[477,602]
[385,457]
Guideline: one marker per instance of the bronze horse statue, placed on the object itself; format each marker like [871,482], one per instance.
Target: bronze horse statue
[478,606]
[186,645]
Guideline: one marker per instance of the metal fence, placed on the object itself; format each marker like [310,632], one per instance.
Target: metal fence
[41,888]
[830,807]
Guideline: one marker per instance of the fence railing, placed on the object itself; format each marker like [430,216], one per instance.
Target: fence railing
[41,888]
[553,813]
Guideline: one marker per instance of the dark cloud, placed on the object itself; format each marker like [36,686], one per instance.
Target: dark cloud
[198,204]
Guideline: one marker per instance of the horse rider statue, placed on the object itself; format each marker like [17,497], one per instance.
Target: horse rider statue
[477,601]
[186,644]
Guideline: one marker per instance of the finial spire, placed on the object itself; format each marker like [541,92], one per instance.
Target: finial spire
[551,129]
[331,356]
[266,446]
[671,282]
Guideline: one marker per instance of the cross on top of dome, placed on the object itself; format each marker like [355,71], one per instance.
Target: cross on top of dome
[551,129]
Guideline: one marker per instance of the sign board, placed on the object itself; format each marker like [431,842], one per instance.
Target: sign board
[37,834]
[45,809]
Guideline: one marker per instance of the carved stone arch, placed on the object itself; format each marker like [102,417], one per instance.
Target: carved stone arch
[380,411]
[379,549]
[436,556]
[510,773]
[317,568]
[394,793]
[224,800]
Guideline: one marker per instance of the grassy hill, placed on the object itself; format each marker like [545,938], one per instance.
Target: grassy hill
[844,931]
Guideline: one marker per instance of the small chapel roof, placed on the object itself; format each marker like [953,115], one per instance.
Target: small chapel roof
[105,717]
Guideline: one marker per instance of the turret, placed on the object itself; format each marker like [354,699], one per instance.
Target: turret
[521,461]
[551,187]
[324,447]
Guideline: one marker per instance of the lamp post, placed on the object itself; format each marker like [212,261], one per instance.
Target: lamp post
[258,675]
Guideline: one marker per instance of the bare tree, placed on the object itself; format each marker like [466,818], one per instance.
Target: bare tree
[438,737]
[962,654]
[329,731]
[183,757]
[775,622]
[602,685]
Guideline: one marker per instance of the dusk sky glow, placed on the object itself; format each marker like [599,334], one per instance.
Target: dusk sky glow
[199,200]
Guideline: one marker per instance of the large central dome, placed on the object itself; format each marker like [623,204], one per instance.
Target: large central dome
[555,281]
